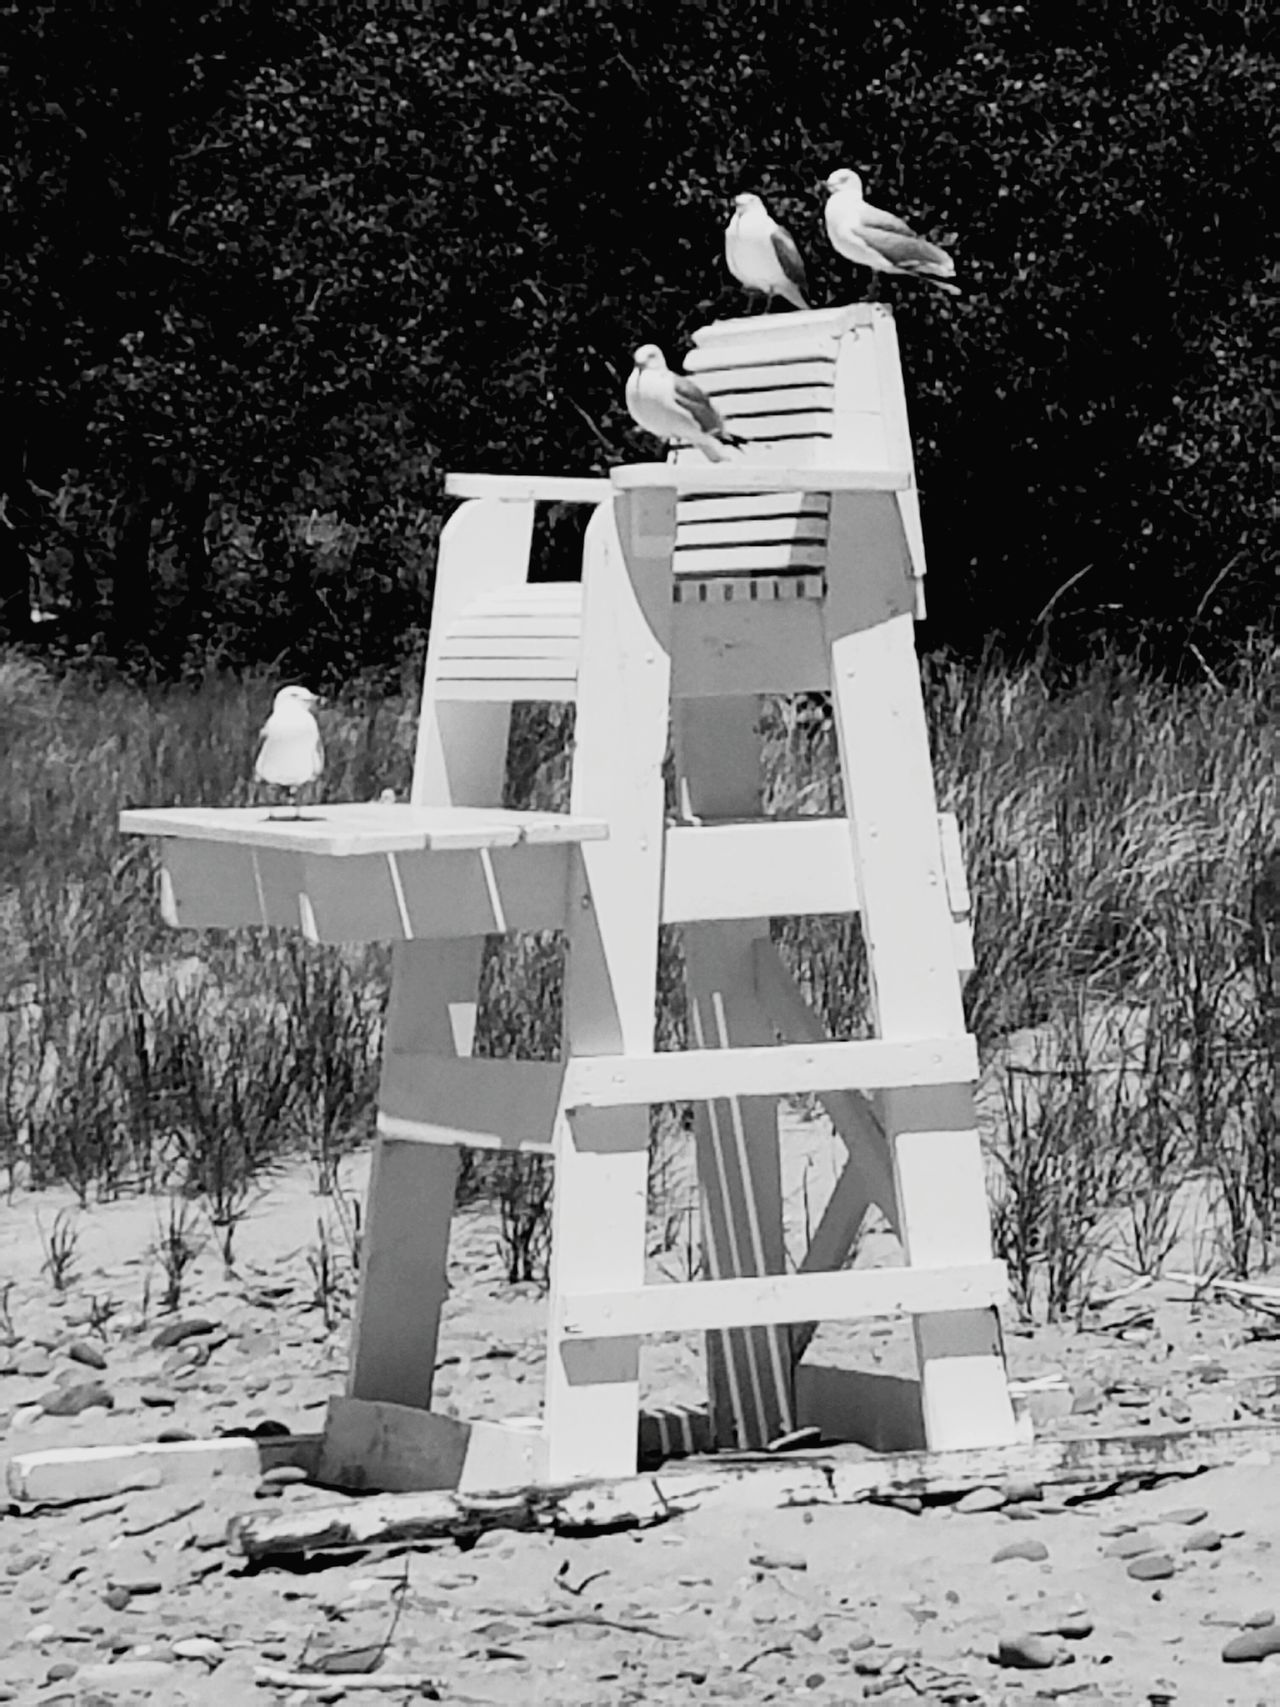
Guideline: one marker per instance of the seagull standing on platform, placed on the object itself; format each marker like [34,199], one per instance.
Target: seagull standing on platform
[672,407]
[870,237]
[291,754]
[761,255]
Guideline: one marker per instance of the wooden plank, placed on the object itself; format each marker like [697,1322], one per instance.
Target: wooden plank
[751,560]
[718,772]
[833,1478]
[549,650]
[396,1448]
[862,1407]
[846,1295]
[63,1475]
[520,672]
[499,690]
[769,869]
[620,1081]
[752,506]
[442,895]
[491,1104]
[817,372]
[785,396]
[710,480]
[342,831]
[748,646]
[526,488]
[558,624]
[754,530]
[599,1212]
[813,424]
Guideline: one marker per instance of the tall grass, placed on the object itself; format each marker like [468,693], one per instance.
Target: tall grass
[1122,849]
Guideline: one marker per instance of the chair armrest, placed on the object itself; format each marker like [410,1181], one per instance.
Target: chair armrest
[520,488]
[711,478]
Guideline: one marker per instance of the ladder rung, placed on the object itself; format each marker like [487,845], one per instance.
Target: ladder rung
[843,1296]
[702,1075]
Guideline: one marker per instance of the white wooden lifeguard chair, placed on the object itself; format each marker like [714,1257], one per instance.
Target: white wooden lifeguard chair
[795,567]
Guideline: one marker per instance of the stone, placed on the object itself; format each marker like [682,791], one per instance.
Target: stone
[1131,1546]
[1031,1549]
[71,1401]
[1202,1541]
[285,1475]
[776,1560]
[116,1598]
[1253,1645]
[1028,1652]
[981,1499]
[199,1648]
[85,1352]
[173,1333]
[1188,1515]
[1259,1620]
[1151,1567]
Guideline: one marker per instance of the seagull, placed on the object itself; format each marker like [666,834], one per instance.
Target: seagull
[291,754]
[761,255]
[670,406]
[879,240]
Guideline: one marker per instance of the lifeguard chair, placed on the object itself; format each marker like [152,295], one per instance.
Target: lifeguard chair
[795,567]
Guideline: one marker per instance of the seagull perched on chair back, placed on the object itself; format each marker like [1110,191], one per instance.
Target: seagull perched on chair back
[291,754]
[672,407]
[872,238]
[761,255]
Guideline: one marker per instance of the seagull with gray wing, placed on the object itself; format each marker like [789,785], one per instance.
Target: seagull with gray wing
[873,238]
[673,408]
[291,754]
[761,255]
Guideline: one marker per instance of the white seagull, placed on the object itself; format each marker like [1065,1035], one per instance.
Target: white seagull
[670,406]
[762,256]
[291,754]
[873,238]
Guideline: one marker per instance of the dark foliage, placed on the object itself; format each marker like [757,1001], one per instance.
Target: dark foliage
[271,270]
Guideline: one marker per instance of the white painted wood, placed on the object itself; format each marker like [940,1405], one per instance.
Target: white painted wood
[815,424]
[430,1098]
[830,1479]
[753,506]
[783,397]
[344,831]
[818,373]
[620,742]
[718,771]
[62,1475]
[748,589]
[845,1296]
[748,646]
[888,790]
[522,674]
[498,690]
[549,650]
[617,1081]
[768,530]
[525,488]
[752,559]
[713,479]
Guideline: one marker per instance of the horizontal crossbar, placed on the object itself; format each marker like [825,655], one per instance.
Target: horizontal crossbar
[771,1300]
[703,1075]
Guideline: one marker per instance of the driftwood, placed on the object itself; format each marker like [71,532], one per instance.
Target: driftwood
[827,1479]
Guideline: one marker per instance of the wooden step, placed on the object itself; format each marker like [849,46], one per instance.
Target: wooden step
[845,1296]
[703,1075]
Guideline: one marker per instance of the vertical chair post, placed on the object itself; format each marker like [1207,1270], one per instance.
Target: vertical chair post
[611,966]
[939,1179]
[460,761]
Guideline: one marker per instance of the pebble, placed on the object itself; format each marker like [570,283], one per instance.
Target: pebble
[1188,1515]
[1202,1541]
[1151,1567]
[1074,1626]
[1130,1546]
[1028,1652]
[157,1399]
[173,1333]
[117,1598]
[1259,1620]
[1031,1549]
[83,1351]
[779,1561]
[286,1475]
[199,1648]
[33,1364]
[982,1499]
[1254,1644]
[138,1585]
[71,1401]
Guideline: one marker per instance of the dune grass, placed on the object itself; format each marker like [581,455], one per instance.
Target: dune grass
[1122,848]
